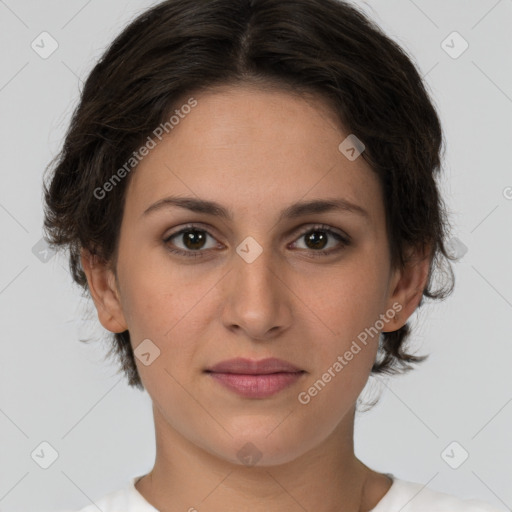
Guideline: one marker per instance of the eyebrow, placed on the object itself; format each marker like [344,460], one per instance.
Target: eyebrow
[291,212]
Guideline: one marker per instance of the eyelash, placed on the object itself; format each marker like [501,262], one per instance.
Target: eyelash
[345,241]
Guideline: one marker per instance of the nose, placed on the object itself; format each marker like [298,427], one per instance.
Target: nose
[256,296]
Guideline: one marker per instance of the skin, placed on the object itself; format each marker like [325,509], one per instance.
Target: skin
[255,152]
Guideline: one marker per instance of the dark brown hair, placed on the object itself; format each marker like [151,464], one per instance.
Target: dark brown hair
[180,47]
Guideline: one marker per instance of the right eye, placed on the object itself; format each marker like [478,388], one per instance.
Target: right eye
[192,239]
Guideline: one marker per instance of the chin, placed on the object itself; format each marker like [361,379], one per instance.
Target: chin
[255,448]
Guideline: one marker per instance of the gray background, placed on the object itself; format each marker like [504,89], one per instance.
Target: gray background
[55,389]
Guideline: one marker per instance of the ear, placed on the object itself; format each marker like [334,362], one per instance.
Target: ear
[104,292]
[406,286]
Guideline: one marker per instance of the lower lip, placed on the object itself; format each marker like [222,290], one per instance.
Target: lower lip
[257,386]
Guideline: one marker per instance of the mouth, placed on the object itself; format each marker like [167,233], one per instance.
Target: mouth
[255,379]
[257,386]
[252,367]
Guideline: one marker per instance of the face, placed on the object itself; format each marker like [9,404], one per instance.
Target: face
[259,282]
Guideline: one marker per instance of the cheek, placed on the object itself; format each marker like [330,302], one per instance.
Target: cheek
[348,302]
[155,294]
[349,297]
[168,307]
[367,280]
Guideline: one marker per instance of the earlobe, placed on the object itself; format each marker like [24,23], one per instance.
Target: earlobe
[104,292]
[407,287]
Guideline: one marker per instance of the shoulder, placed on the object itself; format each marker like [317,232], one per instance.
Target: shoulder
[111,502]
[126,499]
[415,497]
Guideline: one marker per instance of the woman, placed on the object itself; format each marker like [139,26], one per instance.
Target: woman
[248,193]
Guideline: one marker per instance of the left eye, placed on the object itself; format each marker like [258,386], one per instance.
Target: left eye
[317,238]
[194,238]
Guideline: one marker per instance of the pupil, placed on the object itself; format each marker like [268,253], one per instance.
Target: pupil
[189,239]
[315,239]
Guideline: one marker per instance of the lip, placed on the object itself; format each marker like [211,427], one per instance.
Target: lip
[255,379]
[252,367]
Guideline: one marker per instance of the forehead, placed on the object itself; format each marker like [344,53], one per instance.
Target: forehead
[254,150]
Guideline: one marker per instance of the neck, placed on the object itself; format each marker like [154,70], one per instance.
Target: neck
[328,478]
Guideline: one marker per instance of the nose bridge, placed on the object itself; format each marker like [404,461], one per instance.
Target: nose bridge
[256,295]
[254,266]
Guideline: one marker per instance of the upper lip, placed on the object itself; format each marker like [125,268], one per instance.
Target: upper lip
[253,367]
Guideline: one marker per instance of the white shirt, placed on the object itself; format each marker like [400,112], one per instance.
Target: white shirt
[403,496]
